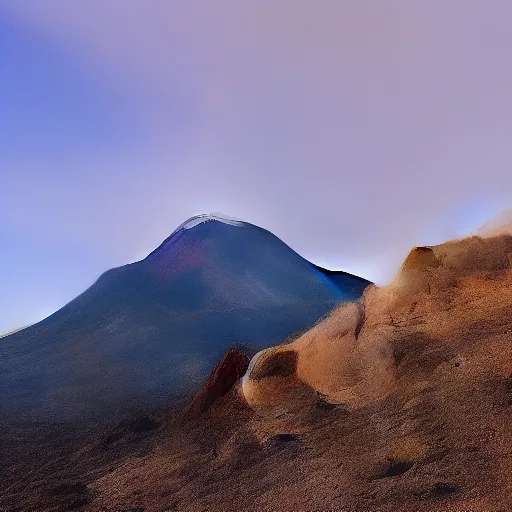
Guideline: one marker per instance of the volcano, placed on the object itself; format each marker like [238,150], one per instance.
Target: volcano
[151,331]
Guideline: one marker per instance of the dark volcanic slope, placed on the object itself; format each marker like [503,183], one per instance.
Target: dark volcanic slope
[155,328]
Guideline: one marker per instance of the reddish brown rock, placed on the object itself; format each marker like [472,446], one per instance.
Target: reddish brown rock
[224,376]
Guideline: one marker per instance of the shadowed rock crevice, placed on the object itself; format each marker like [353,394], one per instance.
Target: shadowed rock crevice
[361,320]
[323,404]
[396,468]
[289,444]
[282,364]
[438,491]
[442,489]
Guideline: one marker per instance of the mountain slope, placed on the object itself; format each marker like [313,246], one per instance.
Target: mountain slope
[152,330]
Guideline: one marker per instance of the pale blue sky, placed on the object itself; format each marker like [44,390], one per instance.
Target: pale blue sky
[352,130]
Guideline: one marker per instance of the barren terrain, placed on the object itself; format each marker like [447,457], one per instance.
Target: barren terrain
[402,402]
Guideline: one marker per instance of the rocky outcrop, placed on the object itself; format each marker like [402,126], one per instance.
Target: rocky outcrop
[420,258]
[355,356]
[225,375]
[336,359]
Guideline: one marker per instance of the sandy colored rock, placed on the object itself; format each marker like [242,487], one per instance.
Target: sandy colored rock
[336,359]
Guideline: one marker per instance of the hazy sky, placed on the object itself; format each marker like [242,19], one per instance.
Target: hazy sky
[351,129]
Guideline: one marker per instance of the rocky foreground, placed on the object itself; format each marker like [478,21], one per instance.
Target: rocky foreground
[400,402]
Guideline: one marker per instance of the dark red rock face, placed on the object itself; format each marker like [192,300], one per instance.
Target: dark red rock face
[224,376]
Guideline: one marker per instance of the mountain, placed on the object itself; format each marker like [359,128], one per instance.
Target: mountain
[151,331]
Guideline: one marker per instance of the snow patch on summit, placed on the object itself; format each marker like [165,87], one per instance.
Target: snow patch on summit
[206,217]
[200,219]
